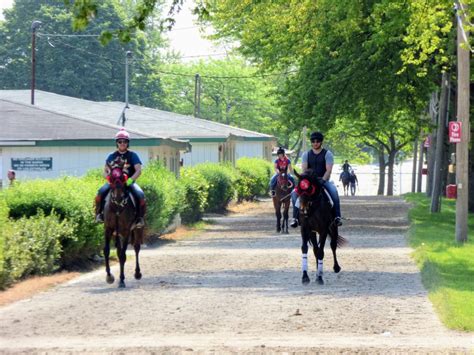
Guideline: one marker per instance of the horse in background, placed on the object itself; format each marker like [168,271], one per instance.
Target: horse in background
[345,178]
[281,199]
[316,219]
[119,222]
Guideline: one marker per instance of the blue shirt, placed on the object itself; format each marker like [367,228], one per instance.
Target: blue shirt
[130,158]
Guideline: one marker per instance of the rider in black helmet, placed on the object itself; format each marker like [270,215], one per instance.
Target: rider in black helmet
[321,161]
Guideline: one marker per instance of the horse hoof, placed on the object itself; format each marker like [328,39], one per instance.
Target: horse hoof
[278,230]
[305,279]
[337,268]
[138,276]
[121,284]
[320,280]
[110,279]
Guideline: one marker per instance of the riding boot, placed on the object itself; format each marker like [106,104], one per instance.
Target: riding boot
[272,193]
[141,209]
[296,216]
[99,216]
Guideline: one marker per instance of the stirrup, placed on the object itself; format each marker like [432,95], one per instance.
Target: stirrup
[99,218]
[338,221]
[272,193]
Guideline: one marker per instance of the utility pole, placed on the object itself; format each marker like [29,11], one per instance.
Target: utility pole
[34,26]
[197,95]
[462,148]
[420,165]
[128,56]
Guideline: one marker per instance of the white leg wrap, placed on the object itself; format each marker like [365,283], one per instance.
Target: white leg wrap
[304,262]
[320,267]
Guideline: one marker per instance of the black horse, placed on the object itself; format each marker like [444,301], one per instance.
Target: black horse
[281,199]
[119,221]
[316,218]
[345,178]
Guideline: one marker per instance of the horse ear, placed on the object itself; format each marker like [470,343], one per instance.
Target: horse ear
[296,174]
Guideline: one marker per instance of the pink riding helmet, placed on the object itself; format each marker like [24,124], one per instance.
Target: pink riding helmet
[122,134]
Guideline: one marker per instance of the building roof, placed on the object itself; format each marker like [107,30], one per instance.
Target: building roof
[30,125]
[156,122]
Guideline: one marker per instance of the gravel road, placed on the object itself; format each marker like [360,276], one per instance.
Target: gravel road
[236,288]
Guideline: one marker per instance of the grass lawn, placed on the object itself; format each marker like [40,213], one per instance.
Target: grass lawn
[447,268]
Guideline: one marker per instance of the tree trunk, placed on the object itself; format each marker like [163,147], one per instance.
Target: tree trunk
[440,146]
[391,163]
[431,150]
[413,171]
[381,154]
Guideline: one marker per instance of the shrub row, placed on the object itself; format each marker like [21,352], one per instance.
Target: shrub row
[49,224]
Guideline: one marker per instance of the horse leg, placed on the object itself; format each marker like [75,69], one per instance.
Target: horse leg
[122,254]
[109,278]
[304,257]
[136,246]
[277,206]
[285,217]
[334,236]
[320,257]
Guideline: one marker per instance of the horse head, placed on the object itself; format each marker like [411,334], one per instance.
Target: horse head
[117,179]
[309,189]
[283,182]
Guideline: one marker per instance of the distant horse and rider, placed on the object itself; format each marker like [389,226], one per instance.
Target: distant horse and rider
[344,177]
[120,205]
[281,186]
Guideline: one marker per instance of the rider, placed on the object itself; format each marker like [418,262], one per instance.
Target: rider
[282,163]
[321,161]
[133,166]
[346,167]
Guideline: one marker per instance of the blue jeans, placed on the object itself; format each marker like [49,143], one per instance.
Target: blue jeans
[273,181]
[134,188]
[331,188]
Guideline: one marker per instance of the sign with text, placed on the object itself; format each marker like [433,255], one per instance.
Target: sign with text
[32,164]
[454,132]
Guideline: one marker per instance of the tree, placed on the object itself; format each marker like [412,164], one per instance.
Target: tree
[74,65]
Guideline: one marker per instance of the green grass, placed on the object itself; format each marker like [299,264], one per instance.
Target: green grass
[447,267]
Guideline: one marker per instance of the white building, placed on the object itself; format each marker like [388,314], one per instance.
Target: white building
[210,141]
[39,143]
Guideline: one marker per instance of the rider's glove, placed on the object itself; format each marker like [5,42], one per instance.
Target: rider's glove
[130,181]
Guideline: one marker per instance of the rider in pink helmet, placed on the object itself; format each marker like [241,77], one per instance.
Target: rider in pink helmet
[133,166]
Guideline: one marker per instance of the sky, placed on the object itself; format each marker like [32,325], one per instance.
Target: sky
[184,38]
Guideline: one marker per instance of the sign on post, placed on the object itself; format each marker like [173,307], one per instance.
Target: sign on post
[455,132]
[32,164]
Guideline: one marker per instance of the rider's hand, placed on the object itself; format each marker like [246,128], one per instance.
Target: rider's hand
[130,181]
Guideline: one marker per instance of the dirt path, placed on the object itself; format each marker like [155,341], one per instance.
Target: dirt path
[236,287]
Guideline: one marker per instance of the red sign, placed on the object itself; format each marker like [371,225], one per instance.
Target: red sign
[454,132]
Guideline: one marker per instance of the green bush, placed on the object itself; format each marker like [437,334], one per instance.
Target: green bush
[5,230]
[34,247]
[72,199]
[221,179]
[196,194]
[164,196]
[253,178]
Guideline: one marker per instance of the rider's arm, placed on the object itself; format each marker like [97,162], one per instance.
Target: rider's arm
[329,164]
[106,171]
[138,171]
[304,162]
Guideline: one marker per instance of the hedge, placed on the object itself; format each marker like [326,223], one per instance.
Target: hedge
[49,224]
[221,179]
[253,179]
[196,194]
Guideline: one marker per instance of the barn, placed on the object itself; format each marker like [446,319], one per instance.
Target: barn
[39,143]
[210,141]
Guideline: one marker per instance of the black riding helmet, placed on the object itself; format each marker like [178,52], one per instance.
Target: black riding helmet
[280,151]
[318,136]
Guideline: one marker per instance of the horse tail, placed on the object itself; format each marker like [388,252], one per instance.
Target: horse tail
[340,241]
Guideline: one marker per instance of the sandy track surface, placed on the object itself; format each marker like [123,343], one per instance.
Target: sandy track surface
[236,287]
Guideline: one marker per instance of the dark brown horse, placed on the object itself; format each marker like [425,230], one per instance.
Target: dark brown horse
[281,199]
[345,178]
[119,221]
[316,219]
